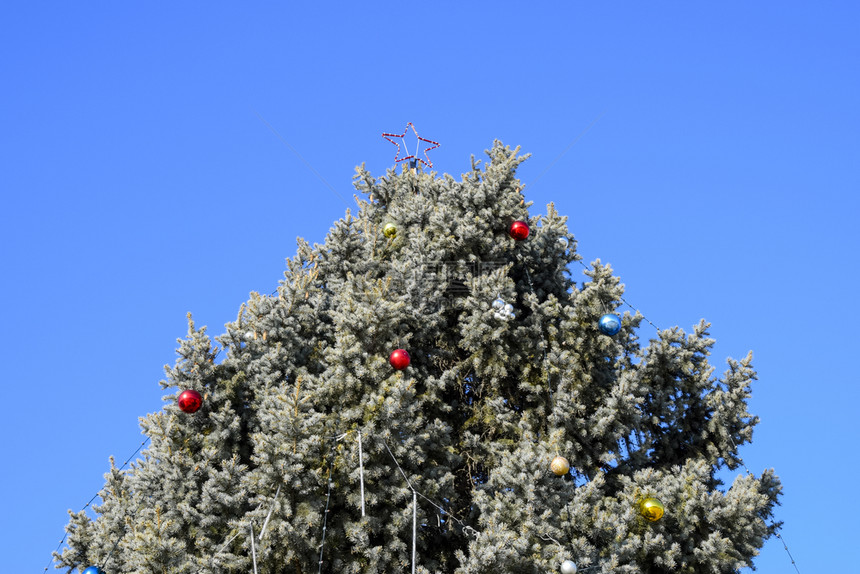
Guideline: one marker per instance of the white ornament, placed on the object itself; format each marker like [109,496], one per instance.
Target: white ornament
[568,567]
[504,311]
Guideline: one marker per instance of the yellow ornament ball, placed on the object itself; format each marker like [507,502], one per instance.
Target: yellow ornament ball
[559,466]
[652,509]
[389,230]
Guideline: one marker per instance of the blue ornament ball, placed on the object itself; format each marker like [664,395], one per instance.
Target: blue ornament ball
[94,570]
[609,324]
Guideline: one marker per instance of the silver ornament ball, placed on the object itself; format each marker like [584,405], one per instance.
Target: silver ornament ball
[568,567]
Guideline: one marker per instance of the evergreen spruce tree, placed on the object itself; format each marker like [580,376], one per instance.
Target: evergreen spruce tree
[472,424]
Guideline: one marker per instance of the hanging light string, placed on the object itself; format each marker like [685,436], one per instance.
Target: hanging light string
[772,524]
[66,535]
[325,515]
[253,548]
[743,464]
[236,535]
[414,526]
[118,540]
[223,546]
[656,328]
[104,564]
[239,531]
[361,472]
[269,515]
[623,300]
[570,145]
[414,505]
[120,537]
[784,545]
[465,527]
[468,530]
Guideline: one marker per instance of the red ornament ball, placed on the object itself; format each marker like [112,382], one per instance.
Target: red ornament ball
[399,359]
[189,401]
[519,230]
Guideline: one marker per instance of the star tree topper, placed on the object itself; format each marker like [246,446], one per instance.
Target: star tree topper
[412,157]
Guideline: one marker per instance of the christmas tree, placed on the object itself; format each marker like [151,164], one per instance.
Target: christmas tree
[431,390]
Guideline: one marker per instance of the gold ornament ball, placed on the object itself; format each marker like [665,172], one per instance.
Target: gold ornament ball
[389,230]
[559,466]
[652,509]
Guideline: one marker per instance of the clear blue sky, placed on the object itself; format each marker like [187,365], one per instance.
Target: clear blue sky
[139,183]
